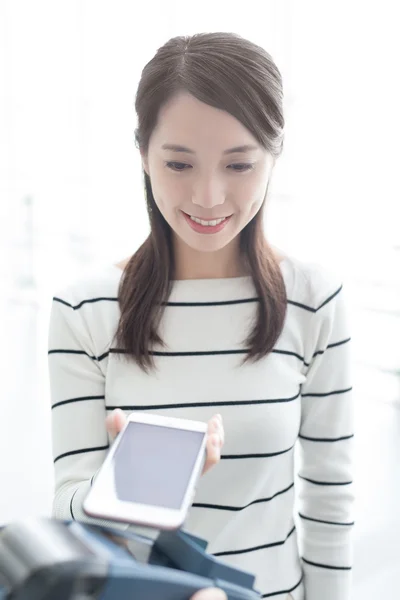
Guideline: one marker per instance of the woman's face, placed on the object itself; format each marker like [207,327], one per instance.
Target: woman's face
[208,173]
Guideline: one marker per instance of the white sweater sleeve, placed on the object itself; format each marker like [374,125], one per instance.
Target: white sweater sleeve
[325,490]
[77,385]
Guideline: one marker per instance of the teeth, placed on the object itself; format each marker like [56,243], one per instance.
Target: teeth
[212,223]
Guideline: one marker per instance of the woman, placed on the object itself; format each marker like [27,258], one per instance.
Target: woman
[211,318]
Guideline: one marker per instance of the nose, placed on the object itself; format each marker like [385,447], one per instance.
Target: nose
[208,193]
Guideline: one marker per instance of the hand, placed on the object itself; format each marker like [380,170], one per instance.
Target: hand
[210,594]
[115,422]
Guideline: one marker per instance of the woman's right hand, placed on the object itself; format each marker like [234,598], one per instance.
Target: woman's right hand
[115,422]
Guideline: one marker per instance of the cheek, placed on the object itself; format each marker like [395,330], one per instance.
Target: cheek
[253,208]
[250,196]
[168,192]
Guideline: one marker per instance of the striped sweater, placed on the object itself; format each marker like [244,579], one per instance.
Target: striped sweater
[279,503]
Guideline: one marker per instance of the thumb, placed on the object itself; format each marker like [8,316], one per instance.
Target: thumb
[115,422]
[119,419]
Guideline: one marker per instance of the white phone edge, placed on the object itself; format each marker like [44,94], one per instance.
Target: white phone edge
[141,514]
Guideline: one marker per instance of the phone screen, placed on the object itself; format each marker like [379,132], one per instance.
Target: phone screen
[153,465]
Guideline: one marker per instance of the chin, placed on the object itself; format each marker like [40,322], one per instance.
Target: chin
[208,247]
[207,243]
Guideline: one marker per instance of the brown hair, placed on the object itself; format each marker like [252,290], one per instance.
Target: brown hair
[231,73]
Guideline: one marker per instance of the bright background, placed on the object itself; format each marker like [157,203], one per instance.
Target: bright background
[71,198]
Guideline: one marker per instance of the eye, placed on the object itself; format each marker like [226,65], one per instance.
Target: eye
[241,167]
[177,166]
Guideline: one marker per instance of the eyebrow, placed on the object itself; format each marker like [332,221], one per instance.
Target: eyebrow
[236,150]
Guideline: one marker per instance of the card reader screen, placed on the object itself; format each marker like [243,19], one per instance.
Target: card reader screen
[153,465]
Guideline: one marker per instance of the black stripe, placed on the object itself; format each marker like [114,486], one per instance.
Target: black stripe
[284,591]
[222,352]
[239,508]
[91,481]
[299,305]
[196,353]
[201,352]
[180,304]
[81,399]
[55,299]
[263,547]
[326,522]
[219,303]
[325,482]
[329,299]
[339,439]
[81,352]
[65,351]
[83,451]
[192,353]
[70,504]
[346,341]
[201,404]
[177,304]
[289,353]
[90,300]
[314,310]
[233,456]
[314,564]
[205,353]
[321,395]
[329,346]
[317,353]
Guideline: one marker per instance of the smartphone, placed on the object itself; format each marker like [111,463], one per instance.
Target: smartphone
[150,474]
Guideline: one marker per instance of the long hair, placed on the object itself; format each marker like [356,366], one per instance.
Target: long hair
[231,73]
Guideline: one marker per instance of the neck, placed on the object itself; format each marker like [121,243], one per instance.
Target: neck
[194,264]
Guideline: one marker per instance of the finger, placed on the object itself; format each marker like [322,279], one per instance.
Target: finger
[215,440]
[115,422]
[221,430]
[119,419]
[210,594]
[110,426]
[215,425]
[217,418]
[213,451]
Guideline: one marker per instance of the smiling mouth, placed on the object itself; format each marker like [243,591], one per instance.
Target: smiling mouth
[208,222]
